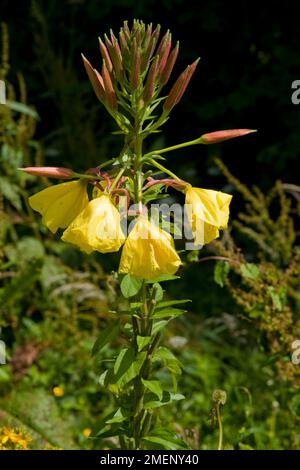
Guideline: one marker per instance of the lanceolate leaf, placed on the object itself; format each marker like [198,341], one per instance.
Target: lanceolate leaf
[142,341]
[168,312]
[108,335]
[154,387]
[128,366]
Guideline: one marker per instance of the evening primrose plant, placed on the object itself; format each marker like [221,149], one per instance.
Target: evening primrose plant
[116,216]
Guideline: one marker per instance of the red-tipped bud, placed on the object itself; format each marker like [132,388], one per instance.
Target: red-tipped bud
[105,55]
[115,54]
[123,42]
[135,65]
[151,79]
[148,54]
[164,54]
[109,89]
[163,42]
[49,171]
[172,96]
[166,73]
[190,72]
[148,35]
[156,33]
[180,86]
[95,79]
[220,136]
[126,31]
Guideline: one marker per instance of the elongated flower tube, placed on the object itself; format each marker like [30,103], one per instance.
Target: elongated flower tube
[207,211]
[97,227]
[60,204]
[149,251]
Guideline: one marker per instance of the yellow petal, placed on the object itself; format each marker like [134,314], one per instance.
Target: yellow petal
[207,211]
[97,227]
[149,252]
[60,204]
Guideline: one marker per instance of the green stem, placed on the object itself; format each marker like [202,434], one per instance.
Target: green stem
[220,445]
[108,162]
[116,180]
[164,169]
[139,413]
[174,147]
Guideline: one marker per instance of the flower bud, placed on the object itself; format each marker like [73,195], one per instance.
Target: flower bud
[95,79]
[109,89]
[180,86]
[220,136]
[49,171]
[164,53]
[151,79]
[135,65]
[105,55]
[165,75]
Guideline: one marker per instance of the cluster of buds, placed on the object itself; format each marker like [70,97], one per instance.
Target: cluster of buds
[135,67]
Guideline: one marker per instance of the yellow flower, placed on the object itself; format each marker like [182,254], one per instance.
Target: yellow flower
[87,432]
[207,211]
[97,227]
[60,204]
[149,251]
[58,392]
[13,439]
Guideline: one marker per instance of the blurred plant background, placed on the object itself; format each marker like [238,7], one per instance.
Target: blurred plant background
[245,289]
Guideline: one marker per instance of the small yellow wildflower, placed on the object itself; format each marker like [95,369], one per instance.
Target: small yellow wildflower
[149,251]
[13,439]
[207,211]
[58,392]
[97,227]
[60,204]
[87,432]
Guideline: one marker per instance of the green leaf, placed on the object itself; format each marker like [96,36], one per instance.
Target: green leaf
[142,341]
[154,387]
[169,303]
[22,108]
[165,277]
[165,440]
[108,335]
[11,192]
[117,417]
[250,271]
[158,292]
[102,378]
[157,326]
[128,366]
[168,312]
[221,272]
[130,285]
[278,297]
[168,359]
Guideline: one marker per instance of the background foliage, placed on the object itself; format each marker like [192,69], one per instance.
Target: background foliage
[54,301]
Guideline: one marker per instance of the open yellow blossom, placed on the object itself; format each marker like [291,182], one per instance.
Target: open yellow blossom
[58,392]
[60,204]
[97,227]
[87,432]
[207,211]
[149,252]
